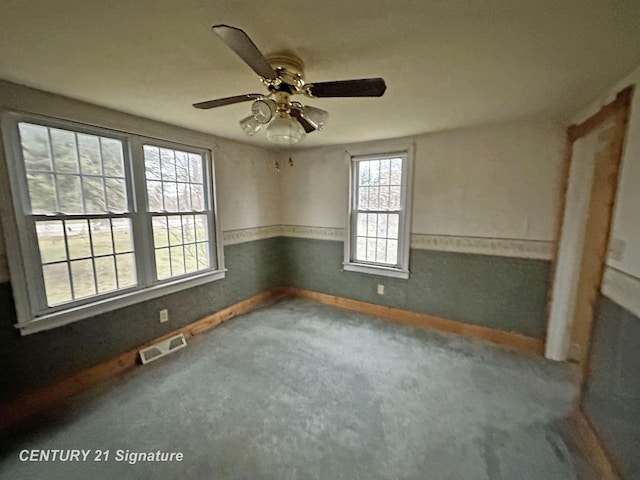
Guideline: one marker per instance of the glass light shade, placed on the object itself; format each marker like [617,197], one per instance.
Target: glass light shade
[316,116]
[263,110]
[250,125]
[284,130]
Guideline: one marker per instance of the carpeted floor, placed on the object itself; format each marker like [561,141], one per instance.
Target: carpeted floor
[299,390]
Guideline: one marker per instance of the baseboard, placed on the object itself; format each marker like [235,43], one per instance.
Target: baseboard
[592,447]
[514,341]
[38,400]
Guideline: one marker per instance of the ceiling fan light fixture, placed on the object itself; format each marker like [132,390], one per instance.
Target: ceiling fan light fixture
[263,110]
[250,125]
[316,116]
[284,130]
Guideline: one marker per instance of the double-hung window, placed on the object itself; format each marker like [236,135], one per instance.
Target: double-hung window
[379,214]
[103,219]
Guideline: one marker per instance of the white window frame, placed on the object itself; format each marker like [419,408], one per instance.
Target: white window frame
[25,268]
[401,270]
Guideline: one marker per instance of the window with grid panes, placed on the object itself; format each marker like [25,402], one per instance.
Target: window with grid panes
[91,240]
[378,236]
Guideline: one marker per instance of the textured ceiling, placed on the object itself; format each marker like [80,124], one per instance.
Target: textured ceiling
[447,64]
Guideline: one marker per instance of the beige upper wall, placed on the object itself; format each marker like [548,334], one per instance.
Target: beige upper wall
[246,180]
[494,181]
[625,232]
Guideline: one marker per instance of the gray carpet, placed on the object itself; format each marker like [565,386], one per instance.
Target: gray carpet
[299,390]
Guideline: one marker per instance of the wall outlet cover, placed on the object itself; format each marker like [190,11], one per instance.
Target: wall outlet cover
[380,289]
[164,315]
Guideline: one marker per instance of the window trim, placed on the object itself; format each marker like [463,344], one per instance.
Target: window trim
[404,229]
[14,193]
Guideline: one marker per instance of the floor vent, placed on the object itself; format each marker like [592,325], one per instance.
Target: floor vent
[163,348]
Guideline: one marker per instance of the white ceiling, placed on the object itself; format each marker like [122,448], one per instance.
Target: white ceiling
[447,63]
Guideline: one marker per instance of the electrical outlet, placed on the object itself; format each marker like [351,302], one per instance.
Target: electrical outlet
[380,289]
[164,315]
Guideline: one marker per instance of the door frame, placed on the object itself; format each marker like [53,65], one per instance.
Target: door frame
[618,109]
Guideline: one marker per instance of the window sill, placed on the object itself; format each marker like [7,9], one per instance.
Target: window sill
[74,314]
[376,270]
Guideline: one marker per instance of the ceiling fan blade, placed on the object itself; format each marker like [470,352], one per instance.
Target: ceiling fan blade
[239,42]
[367,87]
[221,102]
[297,114]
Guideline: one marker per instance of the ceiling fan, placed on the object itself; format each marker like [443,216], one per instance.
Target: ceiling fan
[287,121]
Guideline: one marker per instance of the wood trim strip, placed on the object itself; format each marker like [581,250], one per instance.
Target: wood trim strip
[38,400]
[592,447]
[514,341]
[622,101]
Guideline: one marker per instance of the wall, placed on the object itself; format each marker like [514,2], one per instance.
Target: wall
[484,211]
[611,397]
[248,197]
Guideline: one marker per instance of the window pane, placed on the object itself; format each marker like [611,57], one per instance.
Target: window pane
[392,252]
[122,235]
[70,194]
[394,220]
[177,261]
[182,166]
[163,268]
[93,191]
[195,168]
[56,283]
[160,233]
[197,197]
[384,172]
[116,195]
[371,249]
[65,154]
[184,197]
[374,197]
[167,164]
[381,251]
[361,228]
[170,191]
[191,258]
[363,198]
[126,270]
[396,171]
[106,274]
[83,280]
[203,256]
[78,238]
[382,225]
[394,200]
[112,157]
[101,236]
[154,195]
[89,148]
[374,172]
[42,193]
[202,231]
[152,162]
[372,225]
[384,198]
[361,248]
[51,241]
[175,230]
[364,174]
[188,229]
[34,140]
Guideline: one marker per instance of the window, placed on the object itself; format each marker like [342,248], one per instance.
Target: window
[104,219]
[378,229]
